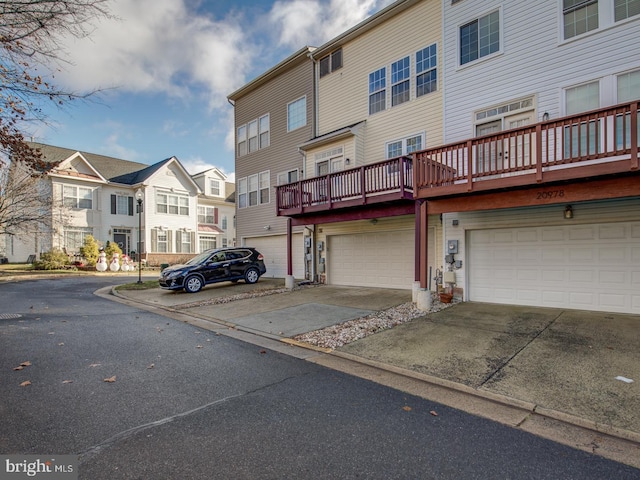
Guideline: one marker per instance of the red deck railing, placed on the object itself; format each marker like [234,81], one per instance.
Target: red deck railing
[600,142]
[373,183]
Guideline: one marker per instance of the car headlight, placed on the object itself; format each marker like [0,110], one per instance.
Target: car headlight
[174,274]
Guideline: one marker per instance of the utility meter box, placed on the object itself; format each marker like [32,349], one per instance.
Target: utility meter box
[449,277]
[452,246]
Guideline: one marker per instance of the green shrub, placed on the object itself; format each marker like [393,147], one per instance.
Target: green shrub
[54,259]
[90,250]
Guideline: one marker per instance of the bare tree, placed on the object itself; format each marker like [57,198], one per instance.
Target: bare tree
[31,50]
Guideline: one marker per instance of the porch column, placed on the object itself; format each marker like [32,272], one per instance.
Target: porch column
[289,281]
[416,255]
[423,295]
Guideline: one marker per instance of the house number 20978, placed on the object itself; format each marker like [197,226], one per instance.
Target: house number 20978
[549,194]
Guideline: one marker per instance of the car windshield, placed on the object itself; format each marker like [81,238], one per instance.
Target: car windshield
[199,258]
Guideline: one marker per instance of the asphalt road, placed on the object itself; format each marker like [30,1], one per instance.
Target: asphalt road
[188,403]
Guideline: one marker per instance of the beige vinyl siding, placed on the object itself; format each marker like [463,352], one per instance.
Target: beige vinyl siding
[343,95]
[282,153]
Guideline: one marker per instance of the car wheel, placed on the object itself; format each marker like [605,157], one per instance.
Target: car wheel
[251,275]
[193,284]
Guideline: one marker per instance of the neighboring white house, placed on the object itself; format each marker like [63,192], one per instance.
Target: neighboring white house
[98,195]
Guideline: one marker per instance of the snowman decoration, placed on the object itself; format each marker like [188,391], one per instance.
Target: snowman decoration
[101,264]
[115,264]
[125,263]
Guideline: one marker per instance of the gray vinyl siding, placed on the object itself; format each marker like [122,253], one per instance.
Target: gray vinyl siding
[534,60]
[282,153]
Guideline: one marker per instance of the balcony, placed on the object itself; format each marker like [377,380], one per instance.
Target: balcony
[593,144]
[378,183]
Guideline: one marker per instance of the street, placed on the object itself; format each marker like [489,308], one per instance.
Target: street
[137,395]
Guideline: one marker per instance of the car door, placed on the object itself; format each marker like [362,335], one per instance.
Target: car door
[215,268]
[239,260]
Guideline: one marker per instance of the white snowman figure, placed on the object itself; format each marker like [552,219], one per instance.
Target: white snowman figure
[101,264]
[115,263]
[125,263]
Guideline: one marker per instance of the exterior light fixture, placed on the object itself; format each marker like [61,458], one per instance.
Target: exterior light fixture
[545,117]
[568,212]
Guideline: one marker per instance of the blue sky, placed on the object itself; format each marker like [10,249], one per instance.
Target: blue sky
[165,68]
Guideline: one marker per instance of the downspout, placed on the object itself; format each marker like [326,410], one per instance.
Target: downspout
[314,129]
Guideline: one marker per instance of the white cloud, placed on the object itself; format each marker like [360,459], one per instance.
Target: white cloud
[159,46]
[313,22]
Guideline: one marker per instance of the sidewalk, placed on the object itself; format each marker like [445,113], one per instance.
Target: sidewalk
[557,368]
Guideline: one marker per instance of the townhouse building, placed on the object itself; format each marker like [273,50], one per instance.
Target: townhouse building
[96,195]
[537,181]
[274,114]
[492,142]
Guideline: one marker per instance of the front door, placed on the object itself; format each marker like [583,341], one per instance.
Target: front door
[121,239]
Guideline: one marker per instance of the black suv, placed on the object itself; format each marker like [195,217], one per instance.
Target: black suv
[212,266]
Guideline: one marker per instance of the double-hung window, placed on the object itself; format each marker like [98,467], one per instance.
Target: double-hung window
[264,187]
[582,138]
[480,38]
[377,90]
[628,90]
[405,146]
[297,114]
[253,135]
[580,16]
[206,215]
[214,187]
[400,80]
[252,129]
[426,70]
[77,197]
[242,140]
[331,63]
[626,8]
[242,193]
[172,204]
[264,126]
[288,177]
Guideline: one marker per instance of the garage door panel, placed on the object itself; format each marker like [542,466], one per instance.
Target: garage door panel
[372,259]
[274,249]
[595,267]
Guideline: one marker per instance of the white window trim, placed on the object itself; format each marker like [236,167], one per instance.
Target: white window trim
[423,139]
[486,58]
[304,97]
[245,128]
[606,21]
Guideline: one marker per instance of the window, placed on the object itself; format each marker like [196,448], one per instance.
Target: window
[162,241]
[628,89]
[264,131]
[74,238]
[207,243]
[626,8]
[480,38]
[629,86]
[253,190]
[214,187]
[264,187]
[582,138]
[288,177]
[242,140]
[404,146]
[377,90]
[207,215]
[223,224]
[242,193]
[400,74]
[580,16]
[172,204]
[252,129]
[121,205]
[426,70]
[331,63]
[253,136]
[297,114]
[183,242]
[77,197]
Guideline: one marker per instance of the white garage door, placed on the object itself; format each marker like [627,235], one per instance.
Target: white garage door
[588,267]
[382,259]
[274,249]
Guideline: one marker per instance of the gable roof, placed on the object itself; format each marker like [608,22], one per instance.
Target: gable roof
[108,167]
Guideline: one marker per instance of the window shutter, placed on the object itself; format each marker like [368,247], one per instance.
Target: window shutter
[130,206]
[215,215]
[193,242]
[113,204]
[169,240]
[178,241]
[154,240]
